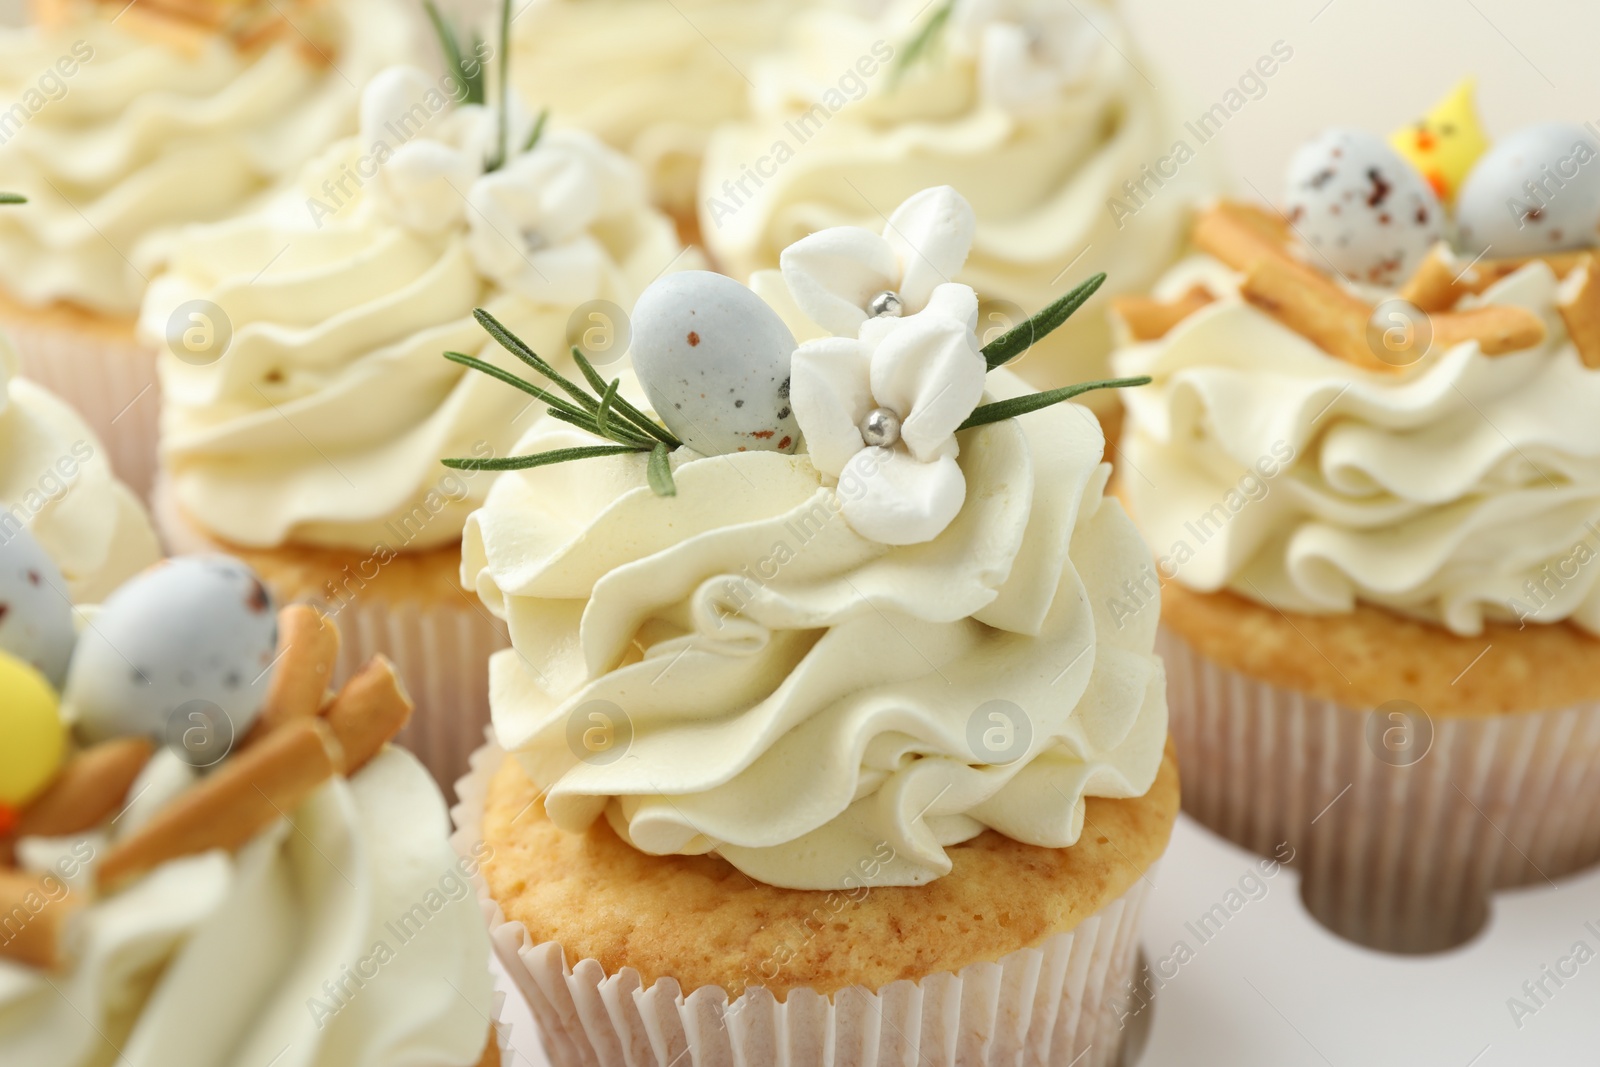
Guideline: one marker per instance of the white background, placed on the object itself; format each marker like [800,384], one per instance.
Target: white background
[1371,64]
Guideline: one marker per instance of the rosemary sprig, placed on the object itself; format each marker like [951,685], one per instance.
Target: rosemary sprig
[1020,338]
[471,74]
[502,150]
[537,131]
[1021,405]
[12,198]
[922,42]
[603,412]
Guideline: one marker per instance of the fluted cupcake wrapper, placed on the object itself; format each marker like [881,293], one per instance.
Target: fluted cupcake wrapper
[1057,1003]
[1402,824]
[112,384]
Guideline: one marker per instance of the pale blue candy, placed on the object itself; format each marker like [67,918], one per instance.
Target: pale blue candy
[35,610]
[714,360]
[193,636]
[1501,214]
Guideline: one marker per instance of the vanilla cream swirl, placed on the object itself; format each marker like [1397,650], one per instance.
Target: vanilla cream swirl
[56,480]
[1464,489]
[651,77]
[1038,161]
[116,138]
[821,710]
[349,936]
[325,419]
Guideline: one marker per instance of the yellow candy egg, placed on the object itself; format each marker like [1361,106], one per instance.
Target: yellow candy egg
[1445,143]
[33,742]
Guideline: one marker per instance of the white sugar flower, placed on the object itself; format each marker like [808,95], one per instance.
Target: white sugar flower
[880,412]
[843,276]
[426,152]
[529,222]
[1027,51]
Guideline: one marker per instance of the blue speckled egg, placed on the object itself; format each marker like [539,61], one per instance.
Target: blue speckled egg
[1361,207]
[714,360]
[35,612]
[192,629]
[1536,191]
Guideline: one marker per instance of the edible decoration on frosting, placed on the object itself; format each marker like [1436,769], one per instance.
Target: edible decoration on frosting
[883,410]
[879,406]
[1027,51]
[189,24]
[308,649]
[1335,319]
[1444,144]
[33,741]
[310,739]
[194,635]
[90,788]
[842,276]
[1536,191]
[1148,319]
[35,612]
[1362,207]
[713,359]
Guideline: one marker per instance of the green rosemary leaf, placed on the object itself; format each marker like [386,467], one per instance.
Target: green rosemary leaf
[602,415]
[513,344]
[12,198]
[660,472]
[554,402]
[1020,338]
[502,151]
[621,435]
[631,413]
[1021,405]
[538,459]
[538,130]
[922,43]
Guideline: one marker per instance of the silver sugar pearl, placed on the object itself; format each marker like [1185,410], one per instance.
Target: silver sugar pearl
[886,304]
[881,428]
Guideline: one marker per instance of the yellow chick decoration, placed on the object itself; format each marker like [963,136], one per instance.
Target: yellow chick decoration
[33,742]
[1445,143]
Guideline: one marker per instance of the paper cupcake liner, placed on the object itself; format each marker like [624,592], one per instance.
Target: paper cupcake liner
[112,384]
[1399,850]
[1055,1004]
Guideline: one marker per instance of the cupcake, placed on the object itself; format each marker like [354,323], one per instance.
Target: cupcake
[131,122]
[307,437]
[57,489]
[1369,469]
[223,862]
[652,78]
[816,660]
[1037,112]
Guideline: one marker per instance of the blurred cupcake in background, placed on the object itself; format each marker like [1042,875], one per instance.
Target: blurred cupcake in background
[57,488]
[650,77]
[1036,112]
[214,858]
[132,120]
[305,434]
[1370,470]
[819,658]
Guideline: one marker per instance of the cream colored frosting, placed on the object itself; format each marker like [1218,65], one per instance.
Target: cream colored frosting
[325,420]
[56,479]
[220,961]
[1039,161]
[118,138]
[1466,488]
[651,77]
[818,708]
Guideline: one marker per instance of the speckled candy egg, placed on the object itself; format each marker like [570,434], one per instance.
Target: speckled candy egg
[714,360]
[35,614]
[1357,203]
[198,628]
[1536,191]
